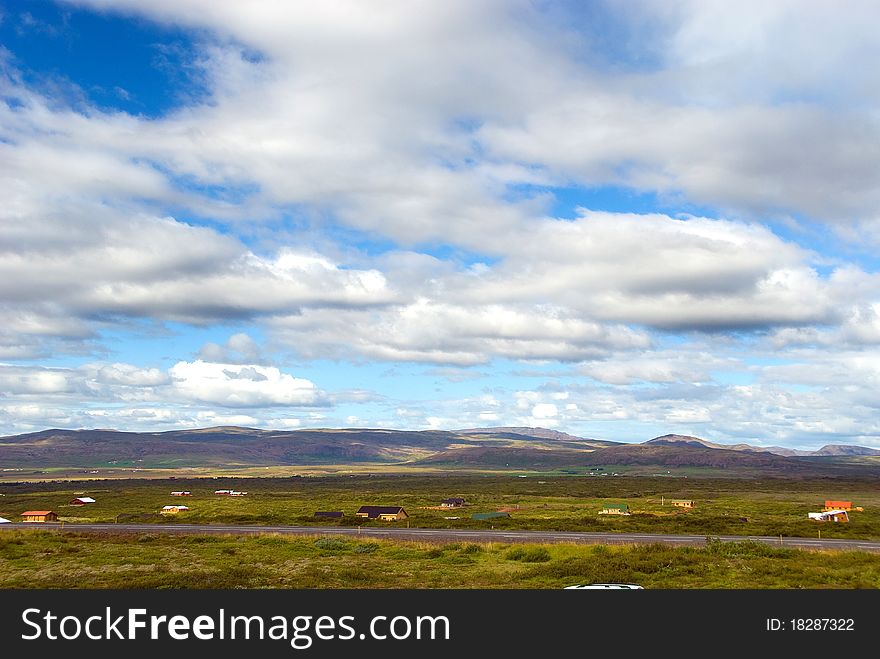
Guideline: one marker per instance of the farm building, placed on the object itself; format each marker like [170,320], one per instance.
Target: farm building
[452,502]
[682,503]
[329,513]
[489,515]
[615,509]
[838,505]
[39,516]
[838,515]
[81,501]
[172,510]
[230,493]
[181,493]
[385,513]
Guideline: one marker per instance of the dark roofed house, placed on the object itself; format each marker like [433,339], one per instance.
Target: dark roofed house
[615,509]
[385,513]
[452,502]
[329,513]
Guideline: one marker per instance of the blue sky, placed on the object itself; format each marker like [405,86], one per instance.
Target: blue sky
[441,215]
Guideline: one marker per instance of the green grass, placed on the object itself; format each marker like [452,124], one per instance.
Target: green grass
[564,502]
[44,559]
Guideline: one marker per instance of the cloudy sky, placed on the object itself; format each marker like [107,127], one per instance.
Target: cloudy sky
[613,219]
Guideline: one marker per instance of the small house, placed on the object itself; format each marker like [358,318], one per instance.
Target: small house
[838,505]
[173,510]
[223,492]
[495,515]
[452,502]
[682,503]
[181,493]
[39,516]
[830,516]
[235,493]
[615,509]
[330,513]
[81,501]
[384,513]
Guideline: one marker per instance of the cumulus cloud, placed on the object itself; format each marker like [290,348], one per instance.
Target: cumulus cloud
[234,385]
[655,270]
[16,380]
[239,348]
[443,333]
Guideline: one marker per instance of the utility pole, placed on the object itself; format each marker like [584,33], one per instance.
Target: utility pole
[661,499]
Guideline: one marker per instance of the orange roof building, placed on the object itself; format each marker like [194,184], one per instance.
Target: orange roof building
[39,516]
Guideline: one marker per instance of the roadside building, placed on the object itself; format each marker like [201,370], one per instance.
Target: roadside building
[330,513]
[39,516]
[682,503]
[173,510]
[452,502]
[830,516]
[615,509]
[384,513]
[81,501]
[838,505]
[495,515]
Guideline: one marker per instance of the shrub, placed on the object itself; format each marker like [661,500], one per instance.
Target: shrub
[331,544]
[531,555]
[366,549]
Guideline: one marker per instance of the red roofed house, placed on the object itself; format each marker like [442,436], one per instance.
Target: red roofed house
[838,505]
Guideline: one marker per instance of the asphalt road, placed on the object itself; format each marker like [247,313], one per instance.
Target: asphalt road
[450,535]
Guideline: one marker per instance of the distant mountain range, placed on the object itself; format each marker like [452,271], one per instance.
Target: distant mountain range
[827,450]
[501,448]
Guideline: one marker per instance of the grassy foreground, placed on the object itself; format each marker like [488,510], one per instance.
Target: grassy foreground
[43,559]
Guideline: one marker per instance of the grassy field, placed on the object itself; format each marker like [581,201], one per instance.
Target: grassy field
[723,506]
[43,559]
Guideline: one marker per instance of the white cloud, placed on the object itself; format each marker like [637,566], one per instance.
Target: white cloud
[126,374]
[544,411]
[16,380]
[239,348]
[234,385]
[209,419]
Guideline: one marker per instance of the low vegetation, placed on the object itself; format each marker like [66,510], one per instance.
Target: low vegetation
[47,559]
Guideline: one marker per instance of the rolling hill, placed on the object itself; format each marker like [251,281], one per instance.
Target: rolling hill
[505,448]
